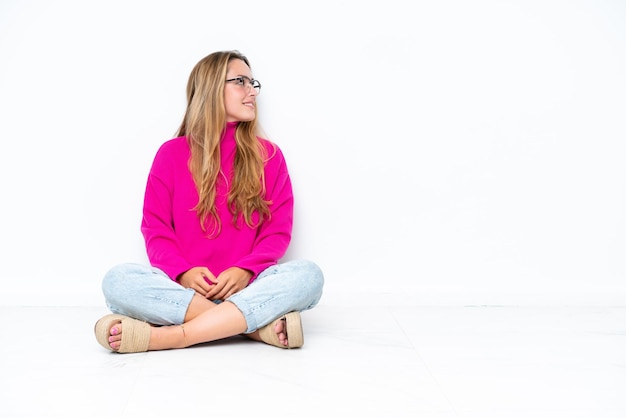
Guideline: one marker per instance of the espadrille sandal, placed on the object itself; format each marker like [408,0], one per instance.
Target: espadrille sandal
[135,333]
[293,328]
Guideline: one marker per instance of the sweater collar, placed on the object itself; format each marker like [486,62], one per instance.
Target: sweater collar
[229,130]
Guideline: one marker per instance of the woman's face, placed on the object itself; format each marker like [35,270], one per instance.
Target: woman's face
[239,95]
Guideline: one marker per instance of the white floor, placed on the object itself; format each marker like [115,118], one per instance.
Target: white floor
[468,362]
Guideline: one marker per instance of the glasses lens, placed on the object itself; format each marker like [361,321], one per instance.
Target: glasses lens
[256,85]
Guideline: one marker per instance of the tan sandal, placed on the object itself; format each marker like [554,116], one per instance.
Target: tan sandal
[293,328]
[135,333]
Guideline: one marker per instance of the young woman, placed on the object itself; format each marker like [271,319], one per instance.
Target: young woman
[217,218]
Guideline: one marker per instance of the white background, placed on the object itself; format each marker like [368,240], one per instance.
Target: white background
[442,152]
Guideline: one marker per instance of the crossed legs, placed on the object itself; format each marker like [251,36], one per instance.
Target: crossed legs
[204,321]
[147,294]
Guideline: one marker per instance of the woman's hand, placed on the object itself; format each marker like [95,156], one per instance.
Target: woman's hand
[229,282]
[199,279]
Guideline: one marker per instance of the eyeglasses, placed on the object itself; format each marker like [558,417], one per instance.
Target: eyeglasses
[246,82]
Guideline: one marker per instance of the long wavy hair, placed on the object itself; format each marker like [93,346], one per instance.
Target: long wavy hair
[203,125]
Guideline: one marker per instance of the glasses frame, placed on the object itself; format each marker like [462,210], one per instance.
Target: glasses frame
[246,82]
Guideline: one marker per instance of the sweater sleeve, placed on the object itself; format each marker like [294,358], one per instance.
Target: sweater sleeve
[274,235]
[157,227]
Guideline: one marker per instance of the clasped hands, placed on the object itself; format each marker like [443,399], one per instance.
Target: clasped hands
[229,282]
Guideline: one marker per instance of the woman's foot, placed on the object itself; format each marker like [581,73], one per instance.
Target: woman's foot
[284,332]
[280,329]
[115,336]
[161,338]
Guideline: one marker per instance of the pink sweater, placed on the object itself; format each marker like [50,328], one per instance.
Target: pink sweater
[174,239]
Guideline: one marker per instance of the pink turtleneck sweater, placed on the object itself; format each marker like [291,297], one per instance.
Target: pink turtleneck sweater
[174,239]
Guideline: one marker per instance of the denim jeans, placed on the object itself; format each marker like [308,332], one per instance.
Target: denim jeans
[147,293]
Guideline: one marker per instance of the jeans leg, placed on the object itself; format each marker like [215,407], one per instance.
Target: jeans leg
[146,293]
[280,289]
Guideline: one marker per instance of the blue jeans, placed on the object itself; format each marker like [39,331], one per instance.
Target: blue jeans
[147,293]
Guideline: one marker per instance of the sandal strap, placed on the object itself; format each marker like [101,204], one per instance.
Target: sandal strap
[136,333]
[139,336]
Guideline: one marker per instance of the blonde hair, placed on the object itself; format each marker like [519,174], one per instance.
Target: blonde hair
[203,125]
